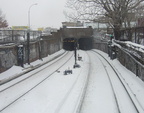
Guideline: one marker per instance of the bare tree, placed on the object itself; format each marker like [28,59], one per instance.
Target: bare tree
[117,12]
[3,21]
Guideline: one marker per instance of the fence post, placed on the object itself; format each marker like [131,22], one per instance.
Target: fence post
[28,47]
[137,70]
[39,47]
[12,35]
[135,35]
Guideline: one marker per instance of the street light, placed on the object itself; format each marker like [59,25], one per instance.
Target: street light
[29,14]
[28,35]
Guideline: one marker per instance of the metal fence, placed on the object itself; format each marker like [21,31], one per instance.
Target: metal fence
[16,36]
[130,63]
[124,57]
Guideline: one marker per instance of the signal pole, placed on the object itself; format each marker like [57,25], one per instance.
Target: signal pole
[75,54]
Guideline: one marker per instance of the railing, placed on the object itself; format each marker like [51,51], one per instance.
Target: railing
[125,58]
[130,62]
[16,36]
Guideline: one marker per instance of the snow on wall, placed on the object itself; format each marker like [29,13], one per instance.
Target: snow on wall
[124,57]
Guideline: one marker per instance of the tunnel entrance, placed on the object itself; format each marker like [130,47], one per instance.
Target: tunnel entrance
[68,44]
[85,43]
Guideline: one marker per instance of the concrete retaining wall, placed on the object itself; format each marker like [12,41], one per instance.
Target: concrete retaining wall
[76,32]
[38,50]
[101,46]
[125,59]
[8,57]
[130,63]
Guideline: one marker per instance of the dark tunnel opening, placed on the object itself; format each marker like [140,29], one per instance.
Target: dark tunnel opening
[83,43]
[68,44]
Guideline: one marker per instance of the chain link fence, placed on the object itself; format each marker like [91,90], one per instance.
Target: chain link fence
[17,36]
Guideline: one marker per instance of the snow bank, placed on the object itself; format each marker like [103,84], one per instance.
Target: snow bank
[17,71]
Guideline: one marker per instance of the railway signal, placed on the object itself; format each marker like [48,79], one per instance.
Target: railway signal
[75,54]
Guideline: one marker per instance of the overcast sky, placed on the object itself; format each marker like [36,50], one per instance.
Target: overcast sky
[48,13]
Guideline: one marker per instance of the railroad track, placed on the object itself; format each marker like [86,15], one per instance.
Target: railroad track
[4,91]
[41,68]
[33,68]
[66,102]
[135,103]
[80,83]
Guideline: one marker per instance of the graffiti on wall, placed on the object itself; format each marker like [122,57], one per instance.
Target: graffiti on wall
[20,55]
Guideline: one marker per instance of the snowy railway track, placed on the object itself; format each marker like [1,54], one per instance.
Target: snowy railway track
[80,85]
[30,69]
[133,104]
[4,91]
[87,87]
[44,66]
[63,99]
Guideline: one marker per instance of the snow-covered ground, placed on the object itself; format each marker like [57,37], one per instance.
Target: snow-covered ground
[17,70]
[63,93]
[49,95]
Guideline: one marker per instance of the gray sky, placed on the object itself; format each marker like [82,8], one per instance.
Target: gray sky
[48,13]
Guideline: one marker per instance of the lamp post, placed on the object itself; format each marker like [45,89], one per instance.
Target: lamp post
[29,14]
[28,35]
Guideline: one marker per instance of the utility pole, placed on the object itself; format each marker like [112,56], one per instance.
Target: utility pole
[28,35]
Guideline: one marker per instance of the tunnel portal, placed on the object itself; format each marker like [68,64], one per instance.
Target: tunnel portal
[68,44]
[83,43]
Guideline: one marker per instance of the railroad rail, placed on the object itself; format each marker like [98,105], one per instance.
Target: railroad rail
[131,95]
[35,85]
[79,84]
